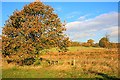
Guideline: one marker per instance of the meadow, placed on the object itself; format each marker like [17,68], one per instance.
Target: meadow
[77,62]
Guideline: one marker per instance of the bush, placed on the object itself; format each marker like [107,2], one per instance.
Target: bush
[37,62]
[28,61]
[104,42]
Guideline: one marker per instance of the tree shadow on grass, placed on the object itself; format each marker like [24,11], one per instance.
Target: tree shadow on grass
[105,76]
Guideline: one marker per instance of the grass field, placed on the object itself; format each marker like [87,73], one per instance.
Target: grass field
[78,62]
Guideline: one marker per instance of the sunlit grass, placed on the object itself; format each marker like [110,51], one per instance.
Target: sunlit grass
[47,72]
[86,59]
[76,48]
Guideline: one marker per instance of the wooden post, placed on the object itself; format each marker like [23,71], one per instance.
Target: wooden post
[74,61]
[50,59]
[58,57]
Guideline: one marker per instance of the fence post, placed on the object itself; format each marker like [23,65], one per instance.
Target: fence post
[74,61]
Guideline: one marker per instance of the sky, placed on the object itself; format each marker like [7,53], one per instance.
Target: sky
[84,20]
[61,0]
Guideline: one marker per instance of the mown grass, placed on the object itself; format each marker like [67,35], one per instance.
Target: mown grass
[46,72]
[27,73]
[90,63]
[72,49]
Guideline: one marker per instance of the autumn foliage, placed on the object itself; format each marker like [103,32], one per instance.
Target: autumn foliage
[29,31]
[104,42]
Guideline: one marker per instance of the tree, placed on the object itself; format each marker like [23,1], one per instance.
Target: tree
[90,42]
[74,43]
[113,45]
[96,45]
[104,42]
[34,28]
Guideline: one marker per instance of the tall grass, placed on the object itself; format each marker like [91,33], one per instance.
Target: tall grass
[89,63]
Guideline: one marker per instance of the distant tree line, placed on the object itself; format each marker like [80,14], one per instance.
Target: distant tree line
[103,42]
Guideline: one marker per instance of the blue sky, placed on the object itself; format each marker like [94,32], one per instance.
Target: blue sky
[84,20]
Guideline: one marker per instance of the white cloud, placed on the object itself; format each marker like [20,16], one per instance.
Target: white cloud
[0,30]
[105,22]
[83,17]
[59,9]
[83,35]
[69,17]
[113,31]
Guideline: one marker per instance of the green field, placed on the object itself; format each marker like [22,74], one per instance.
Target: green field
[46,72]
[88,62]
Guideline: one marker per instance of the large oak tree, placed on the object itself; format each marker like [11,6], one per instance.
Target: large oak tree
[34,28]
